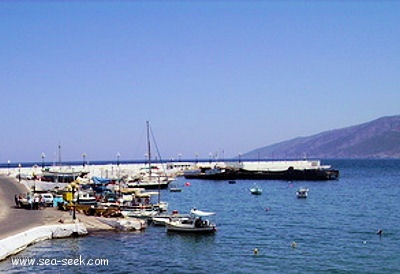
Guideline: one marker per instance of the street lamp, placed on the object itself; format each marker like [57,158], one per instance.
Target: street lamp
[19,175]
[8,167]
[84,159]
[240,155]
[43,156]
[118,155]
[73,188]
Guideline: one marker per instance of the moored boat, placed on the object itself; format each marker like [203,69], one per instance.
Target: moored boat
[195,224]
[161,219]
[270,170]
[256,190]
[302,192]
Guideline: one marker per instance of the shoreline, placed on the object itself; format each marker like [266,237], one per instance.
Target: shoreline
[56,224]
[32,226]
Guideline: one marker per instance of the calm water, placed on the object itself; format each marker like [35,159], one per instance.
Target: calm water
[335,230]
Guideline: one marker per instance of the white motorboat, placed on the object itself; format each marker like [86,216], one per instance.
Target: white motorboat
[195,224]
[162,218]
[302,192]
[256,190]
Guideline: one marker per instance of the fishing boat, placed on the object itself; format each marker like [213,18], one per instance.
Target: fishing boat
[256,190]
[302,192]
[162,218]
[61,176]
[195,224]
[139,204]
[85,198]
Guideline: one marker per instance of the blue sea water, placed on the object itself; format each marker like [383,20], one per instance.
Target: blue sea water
[334,228]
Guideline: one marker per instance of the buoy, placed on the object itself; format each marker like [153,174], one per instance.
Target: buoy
[294,244]
[187,184]
[255,251]
[365,242]
[267,209]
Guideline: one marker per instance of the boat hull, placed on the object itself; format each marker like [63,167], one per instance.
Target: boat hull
[189,229]
[287,175]
[145,185]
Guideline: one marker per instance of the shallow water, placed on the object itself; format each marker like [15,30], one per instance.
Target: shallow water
[334,229]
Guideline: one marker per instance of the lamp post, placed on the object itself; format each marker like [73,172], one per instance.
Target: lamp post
[19,171]
[43,156]
[240,155]
[118,155]
[73,189]
[83,159]
[8,167]
[118,175]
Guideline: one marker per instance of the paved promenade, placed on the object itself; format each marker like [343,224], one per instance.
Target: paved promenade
[14,220]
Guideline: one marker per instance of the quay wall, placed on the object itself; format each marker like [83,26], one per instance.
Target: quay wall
[16,243]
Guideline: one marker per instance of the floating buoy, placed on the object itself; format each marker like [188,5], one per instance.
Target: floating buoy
[267,209]
[365,242]
[187,184]
[255,251]
[294,244]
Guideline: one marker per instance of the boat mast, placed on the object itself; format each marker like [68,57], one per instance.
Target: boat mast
[148,146]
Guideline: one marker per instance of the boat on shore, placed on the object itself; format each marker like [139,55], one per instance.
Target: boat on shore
[195,224]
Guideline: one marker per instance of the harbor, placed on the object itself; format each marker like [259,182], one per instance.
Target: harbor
[333,223]
[84,198]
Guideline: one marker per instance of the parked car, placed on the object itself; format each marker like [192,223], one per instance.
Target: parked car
[48,199]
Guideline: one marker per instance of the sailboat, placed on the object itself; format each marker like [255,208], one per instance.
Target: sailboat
[149,178]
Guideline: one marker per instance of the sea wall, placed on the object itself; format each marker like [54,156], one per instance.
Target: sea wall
[16,243]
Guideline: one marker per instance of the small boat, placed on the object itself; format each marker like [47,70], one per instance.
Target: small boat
[302,192]
[85,198]
[195,224]
[256,190]
[174,188]
[161,219]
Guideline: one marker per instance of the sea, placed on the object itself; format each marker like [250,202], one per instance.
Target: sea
[334,230]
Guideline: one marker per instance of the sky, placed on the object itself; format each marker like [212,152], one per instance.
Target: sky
[216,78]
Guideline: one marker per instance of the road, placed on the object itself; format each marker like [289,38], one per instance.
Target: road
[12,219]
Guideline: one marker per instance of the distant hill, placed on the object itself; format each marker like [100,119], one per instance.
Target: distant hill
[376,139]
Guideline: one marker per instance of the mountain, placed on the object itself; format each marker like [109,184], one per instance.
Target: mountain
[378,139]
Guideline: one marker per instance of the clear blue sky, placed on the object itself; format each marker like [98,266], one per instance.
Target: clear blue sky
[221,77]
